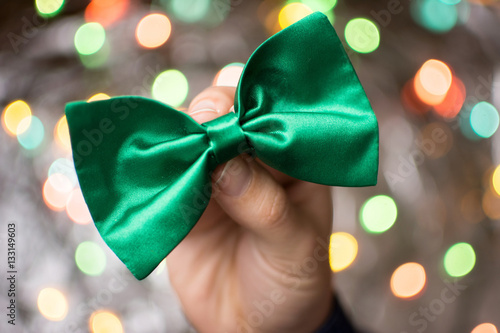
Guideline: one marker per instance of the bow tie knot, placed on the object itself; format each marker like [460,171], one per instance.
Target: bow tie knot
[226,137]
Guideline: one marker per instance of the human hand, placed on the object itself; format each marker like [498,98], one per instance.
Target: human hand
[257,260]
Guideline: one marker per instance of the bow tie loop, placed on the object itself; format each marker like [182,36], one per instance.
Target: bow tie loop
[226,137]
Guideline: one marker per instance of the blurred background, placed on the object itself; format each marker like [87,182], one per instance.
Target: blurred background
[419,252]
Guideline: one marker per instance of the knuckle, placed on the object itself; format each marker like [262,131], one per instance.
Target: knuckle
[274,208]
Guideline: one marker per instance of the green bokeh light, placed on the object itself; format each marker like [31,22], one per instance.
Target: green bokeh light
[97,59]
[451,2]
[320,5]
[170,87]
[33,136]
[434,15]
[362,35]
[48,8]
[378,214]
[459,260]
[89,38]
[90,258]
[484,119]
[188,11]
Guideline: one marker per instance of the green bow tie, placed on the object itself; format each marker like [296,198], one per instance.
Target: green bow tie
[144,168]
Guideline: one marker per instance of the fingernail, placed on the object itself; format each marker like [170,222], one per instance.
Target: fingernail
[234,178]
[203,111]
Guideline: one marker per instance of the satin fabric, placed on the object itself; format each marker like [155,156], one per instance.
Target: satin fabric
[144,168]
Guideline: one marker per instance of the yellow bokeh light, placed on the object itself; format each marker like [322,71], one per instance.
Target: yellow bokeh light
[98,97]
[13,115]
[153,30]
[105,322]
[343,250]
[61,134]
[495,180]
[432,82]
[408,280]
[485,328]
[292,13]
[52,304]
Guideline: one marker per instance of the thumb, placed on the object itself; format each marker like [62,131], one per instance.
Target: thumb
[251,196]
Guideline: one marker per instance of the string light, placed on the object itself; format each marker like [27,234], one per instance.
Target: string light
[408,280]
[170,87]
[362,35]
[12,116]
[105,322]
[90,258]
[89,38]
[292,13]
[378,214]
[343,250]
[459,260]
[153,30]
[52,304]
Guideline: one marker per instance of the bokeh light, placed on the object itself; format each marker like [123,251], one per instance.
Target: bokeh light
[436,140]
[77,209]
[61,134]
[106,12]
[459,260]
[90,258]
[362,35]
[97,59]
[378,214]
[495,180]
[484,119]
[65,167]
[170,87]
[98,97]
[434,15]
[343,250]
[12,116]
[89,38]
[453,101]
[229,76]
[188,11]
[292,13]
[52,304]
[408,280]
[105,322]
[56,191]
[48,8]
[153,30]
[320,5]
[33,136]
[432,82]
[485,328]
[491,205]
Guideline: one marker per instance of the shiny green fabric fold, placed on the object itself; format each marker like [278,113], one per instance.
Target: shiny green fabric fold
[144,168]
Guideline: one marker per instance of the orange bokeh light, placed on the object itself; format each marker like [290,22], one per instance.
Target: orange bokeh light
[432,82]
[485,328]
[76,208]
[408,280]
[153,30]
[453,101]
[106,12]
[56,191]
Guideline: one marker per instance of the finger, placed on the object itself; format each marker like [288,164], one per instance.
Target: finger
[251,196]
[211,103]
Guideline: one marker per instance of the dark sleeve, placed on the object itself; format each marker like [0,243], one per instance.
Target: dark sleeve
[337,322]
